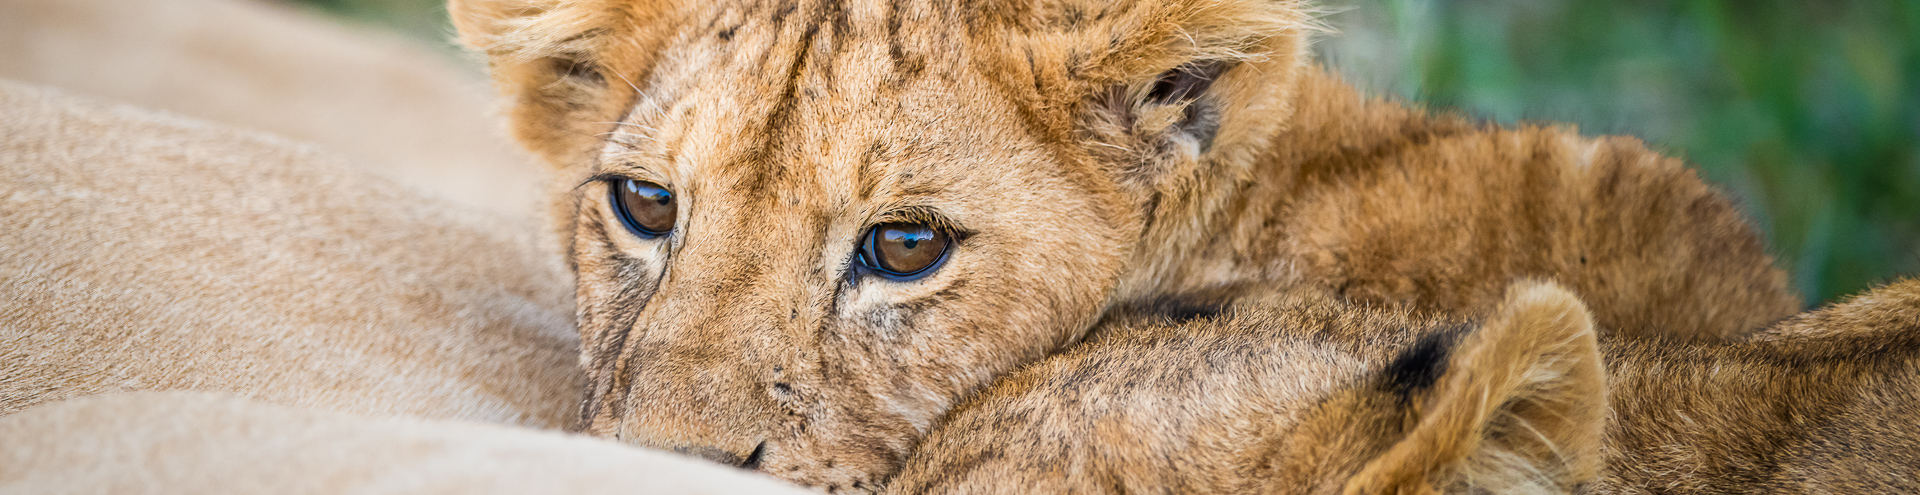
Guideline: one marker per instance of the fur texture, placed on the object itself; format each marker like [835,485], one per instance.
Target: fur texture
[1293,394]
[1300,395]
[1827,402]
[393,107]
[194,443]
[1085,155]
[149,252]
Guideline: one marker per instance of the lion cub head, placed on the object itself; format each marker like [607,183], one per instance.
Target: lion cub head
[803,229]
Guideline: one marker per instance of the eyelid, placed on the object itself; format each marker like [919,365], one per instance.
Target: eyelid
[612,176]
[921,215]
[601,177]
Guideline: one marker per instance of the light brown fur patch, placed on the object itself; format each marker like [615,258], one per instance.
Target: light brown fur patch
[196,443]
[389,105]
[149,252]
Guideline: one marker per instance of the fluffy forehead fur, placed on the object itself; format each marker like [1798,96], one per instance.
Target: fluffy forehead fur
[1047,55]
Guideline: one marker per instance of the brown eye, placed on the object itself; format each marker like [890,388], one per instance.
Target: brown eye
[646,208]
[903,251]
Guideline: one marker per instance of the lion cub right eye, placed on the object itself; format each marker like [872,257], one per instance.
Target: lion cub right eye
[903,251]
[646,208]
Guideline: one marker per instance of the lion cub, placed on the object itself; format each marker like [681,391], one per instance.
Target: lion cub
[1319,397]
[802,229]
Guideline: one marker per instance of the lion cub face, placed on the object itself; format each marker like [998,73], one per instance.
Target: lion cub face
[802,229]
[800,274]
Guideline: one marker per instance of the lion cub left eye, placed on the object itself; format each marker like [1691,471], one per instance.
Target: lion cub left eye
[646,208]
[903,251]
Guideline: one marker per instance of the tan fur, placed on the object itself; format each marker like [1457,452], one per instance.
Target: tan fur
[192,443]
[141,251]
[1292,395]
[1532,369]
[393,107]
[1300,395]
[1827,402]
[1041,132]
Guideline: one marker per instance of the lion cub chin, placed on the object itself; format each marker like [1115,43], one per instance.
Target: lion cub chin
[1322,397]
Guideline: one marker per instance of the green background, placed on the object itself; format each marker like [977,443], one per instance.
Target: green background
[1809,112]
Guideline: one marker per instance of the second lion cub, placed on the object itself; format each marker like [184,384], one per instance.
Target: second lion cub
[1319,397]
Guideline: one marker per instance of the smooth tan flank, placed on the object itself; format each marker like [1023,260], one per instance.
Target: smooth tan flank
[143,251]
[192,443]
[392,106]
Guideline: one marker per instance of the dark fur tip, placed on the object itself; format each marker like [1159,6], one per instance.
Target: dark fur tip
[579,70]
[1419,366]
[1185,82]
[1180,308]
[1185,85]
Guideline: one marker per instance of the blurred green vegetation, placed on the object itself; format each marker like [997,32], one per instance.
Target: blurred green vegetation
[422,19]
[1807,111]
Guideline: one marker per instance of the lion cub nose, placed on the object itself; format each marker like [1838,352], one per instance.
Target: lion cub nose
[749,461]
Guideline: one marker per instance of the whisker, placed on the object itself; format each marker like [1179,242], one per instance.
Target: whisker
[629,135]
[630,124]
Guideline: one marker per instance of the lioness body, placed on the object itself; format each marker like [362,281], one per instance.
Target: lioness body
[192,443]
[143,251]
[1080,156]
[392,107]
[1258,401]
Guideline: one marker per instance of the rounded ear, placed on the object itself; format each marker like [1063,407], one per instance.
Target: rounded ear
[566,66]
[1151,88]
[1517,405]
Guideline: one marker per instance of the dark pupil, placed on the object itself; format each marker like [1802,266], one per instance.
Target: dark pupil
[909,238]
[907,248]
[645,206]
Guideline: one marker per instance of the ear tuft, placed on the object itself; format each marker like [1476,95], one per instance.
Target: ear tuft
[556,60]
[1151,89]
[1186,82]
[1519,406]
[517,31]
